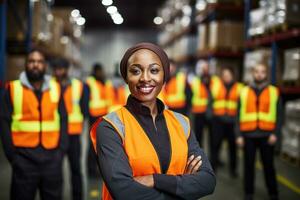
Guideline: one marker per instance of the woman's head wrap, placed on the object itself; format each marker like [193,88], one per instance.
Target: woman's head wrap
[152,47]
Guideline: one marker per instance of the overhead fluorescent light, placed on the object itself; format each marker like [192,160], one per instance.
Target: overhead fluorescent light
[112,9]
[107,2]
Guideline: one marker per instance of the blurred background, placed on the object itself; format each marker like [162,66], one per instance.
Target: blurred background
[236,33]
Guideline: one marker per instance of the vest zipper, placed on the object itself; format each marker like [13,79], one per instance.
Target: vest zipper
[257,109]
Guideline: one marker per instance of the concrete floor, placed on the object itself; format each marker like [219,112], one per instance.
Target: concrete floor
[288,178]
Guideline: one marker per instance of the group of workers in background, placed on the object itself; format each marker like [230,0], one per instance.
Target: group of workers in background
[42,118]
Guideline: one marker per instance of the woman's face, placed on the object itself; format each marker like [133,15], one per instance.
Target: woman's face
[145,75]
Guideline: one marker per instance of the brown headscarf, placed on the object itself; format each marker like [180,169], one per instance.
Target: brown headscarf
[152,47]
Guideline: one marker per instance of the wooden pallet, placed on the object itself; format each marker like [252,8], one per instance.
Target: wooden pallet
[290,159]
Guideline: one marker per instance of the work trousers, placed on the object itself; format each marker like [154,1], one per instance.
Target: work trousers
[200,122]
[29,176]
[74,155]
[267,156]
[221,131]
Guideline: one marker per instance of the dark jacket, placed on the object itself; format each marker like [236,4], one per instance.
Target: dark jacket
[117,173]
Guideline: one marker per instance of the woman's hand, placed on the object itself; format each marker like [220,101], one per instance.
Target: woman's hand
[193,164]
[147,181]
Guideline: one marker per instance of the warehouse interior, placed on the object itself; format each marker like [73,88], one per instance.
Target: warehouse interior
[235,33]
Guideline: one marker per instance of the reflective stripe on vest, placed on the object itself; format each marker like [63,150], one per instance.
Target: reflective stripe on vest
[176,99]
[141,154]
[75,116]
[199,99]
[98,104]
[263,116]
[223,103]
[26,125]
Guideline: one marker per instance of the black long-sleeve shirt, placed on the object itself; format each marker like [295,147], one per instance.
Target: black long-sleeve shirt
[37,153]
[260,133]
[117,173]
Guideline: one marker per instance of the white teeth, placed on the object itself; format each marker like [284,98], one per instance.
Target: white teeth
[146,89]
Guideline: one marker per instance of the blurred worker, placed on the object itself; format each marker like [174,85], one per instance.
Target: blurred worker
[100,99]
[120,94]
[75,95]
[203,116]
[225,94]
[259,124]
[33,136]
[177,93]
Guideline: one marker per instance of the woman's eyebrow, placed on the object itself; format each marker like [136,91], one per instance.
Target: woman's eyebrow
[154,64]
[135,65]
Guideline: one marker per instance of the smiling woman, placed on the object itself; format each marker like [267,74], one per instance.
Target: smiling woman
[144,150]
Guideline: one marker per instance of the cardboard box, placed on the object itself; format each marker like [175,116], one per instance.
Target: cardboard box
[226,35]
[292,65]
[65,15]
[202,37]
[257,21]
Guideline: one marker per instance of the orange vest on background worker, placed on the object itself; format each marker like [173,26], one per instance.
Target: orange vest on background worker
[119,97]
[174,91]
[223,105]
[141,154]
[258,112]
[35,122]
[200,96]
[72,96]
[101,96]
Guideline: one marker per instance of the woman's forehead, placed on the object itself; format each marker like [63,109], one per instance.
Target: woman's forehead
[144,55]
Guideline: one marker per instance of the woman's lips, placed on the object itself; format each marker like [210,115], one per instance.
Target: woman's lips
[145,89]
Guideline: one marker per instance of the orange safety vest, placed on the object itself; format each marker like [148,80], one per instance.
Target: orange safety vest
[100,96]
[222,104]
[30,125]
[119,97]
[258,112]
[174,91]
[200,96]
[141,154]
[72,96]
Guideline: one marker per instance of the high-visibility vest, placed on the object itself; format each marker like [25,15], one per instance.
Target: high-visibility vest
[100,96]
[200,96]
[120,96]
[225,102]
[141,153]
[72,97]
[258,112]
[174,94]
[35,122]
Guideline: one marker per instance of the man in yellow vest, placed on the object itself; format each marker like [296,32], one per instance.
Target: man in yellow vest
[33,127]
[177,93]
[100,99]
[75,95]
[225,93]
[258,125]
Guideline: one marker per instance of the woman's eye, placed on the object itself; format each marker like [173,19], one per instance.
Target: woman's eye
[135,71]
[154,71]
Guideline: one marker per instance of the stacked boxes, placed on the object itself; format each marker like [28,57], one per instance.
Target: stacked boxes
[292,65]
[15,65]
[291,130]
[273,13]
[225,35]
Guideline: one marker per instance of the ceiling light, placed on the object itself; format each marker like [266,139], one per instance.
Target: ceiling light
[80,21]
[107,2]
[116,16]
[118,20]
[75,13]
[187,10]
[112,9]
[158,20]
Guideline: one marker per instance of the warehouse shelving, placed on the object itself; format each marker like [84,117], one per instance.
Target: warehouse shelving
[277,40]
